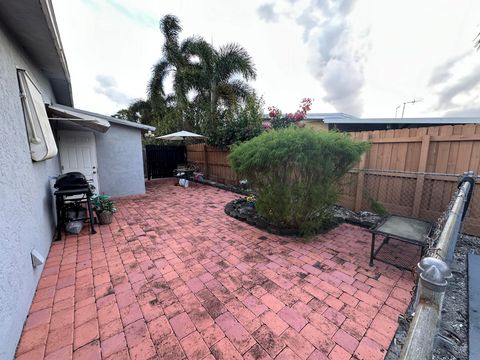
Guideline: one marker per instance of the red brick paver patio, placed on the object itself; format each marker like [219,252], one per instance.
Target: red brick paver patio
[174,277]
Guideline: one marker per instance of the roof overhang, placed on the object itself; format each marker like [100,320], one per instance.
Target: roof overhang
[93,120]
[32,24]
[90,122]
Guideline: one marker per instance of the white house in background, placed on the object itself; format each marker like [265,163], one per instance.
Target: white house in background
[42,136]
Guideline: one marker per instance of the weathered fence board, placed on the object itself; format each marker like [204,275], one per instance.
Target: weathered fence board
[401,171]
[213,162]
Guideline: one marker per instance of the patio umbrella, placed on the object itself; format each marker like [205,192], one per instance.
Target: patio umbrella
[182,136]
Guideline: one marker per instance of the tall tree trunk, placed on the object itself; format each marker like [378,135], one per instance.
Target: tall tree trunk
[213,103]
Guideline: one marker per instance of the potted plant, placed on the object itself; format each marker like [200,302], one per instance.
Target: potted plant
[105,208]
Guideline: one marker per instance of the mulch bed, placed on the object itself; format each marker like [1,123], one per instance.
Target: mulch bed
[241,210]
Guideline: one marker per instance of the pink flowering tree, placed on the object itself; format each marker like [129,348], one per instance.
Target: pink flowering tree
[278,120]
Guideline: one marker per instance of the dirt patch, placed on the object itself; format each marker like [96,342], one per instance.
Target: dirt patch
[160,285]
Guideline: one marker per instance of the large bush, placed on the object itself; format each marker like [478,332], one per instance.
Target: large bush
[296,173]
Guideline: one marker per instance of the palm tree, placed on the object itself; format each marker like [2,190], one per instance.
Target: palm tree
[203,77]
[172,62]
[218,76]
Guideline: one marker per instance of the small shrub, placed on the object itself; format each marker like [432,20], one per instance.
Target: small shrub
[296,172]
[377,207]
[102,203]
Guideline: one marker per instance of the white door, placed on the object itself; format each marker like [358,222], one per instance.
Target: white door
[78,152]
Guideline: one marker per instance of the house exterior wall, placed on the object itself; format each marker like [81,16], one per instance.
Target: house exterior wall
[316,125]
[26,202]
[120,161]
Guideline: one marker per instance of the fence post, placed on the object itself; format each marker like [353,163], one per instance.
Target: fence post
[361,177]
[205,158]
[422,167]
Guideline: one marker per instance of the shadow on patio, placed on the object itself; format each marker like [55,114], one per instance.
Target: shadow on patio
[174,277]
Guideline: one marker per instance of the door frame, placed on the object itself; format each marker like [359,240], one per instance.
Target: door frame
[62,134]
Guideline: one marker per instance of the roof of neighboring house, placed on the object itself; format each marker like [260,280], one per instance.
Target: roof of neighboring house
[341,118]
[73,113]
[33,26]
[329,117]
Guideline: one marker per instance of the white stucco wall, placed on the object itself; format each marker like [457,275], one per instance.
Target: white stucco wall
[26,220]
[120,161]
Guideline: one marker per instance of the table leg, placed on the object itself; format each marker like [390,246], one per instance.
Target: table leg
[372,250]
[422,252]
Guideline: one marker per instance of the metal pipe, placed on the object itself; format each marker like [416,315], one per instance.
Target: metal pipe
[425,325]
[448,238]
[432,283]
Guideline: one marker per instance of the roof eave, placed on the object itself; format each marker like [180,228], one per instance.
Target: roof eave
[51,20]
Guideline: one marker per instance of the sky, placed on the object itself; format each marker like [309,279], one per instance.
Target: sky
[363,58]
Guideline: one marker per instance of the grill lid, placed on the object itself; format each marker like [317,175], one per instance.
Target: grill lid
[71,180]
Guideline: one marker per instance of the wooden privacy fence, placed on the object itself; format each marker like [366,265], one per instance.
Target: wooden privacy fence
[213,162]
[411,172]
[414,172]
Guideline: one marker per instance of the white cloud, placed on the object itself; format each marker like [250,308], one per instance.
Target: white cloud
[106,85]
[267,12]
[315,48]
[443,72]
[455,83]
[336,54]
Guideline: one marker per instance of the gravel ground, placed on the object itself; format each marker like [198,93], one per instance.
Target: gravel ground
[452,339]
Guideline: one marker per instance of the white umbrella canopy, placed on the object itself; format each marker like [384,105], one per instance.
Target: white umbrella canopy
[181,135]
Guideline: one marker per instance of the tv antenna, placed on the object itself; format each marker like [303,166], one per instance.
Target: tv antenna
[396,110]
[405,103]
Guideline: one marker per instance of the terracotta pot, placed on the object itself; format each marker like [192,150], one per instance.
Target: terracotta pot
[104,217]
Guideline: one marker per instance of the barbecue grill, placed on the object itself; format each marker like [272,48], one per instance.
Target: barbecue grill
[72,187]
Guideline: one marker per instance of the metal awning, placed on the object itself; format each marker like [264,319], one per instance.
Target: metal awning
[87,121]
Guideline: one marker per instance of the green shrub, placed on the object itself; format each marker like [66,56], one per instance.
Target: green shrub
[377,207]
[102,203]
[238,126]
[296,172]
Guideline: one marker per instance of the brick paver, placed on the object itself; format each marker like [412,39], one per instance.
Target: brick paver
[174,277]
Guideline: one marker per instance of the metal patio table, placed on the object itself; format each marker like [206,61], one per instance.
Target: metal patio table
[405,229]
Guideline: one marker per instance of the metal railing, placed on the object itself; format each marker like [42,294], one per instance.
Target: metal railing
[434,274]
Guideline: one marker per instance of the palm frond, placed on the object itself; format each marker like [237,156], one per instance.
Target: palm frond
[170,27]
[233,59]
[231,92]
[203,51]
[159,72]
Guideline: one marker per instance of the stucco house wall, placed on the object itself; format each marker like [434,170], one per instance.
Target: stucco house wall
[316,125]
[26,220]
[120,162]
